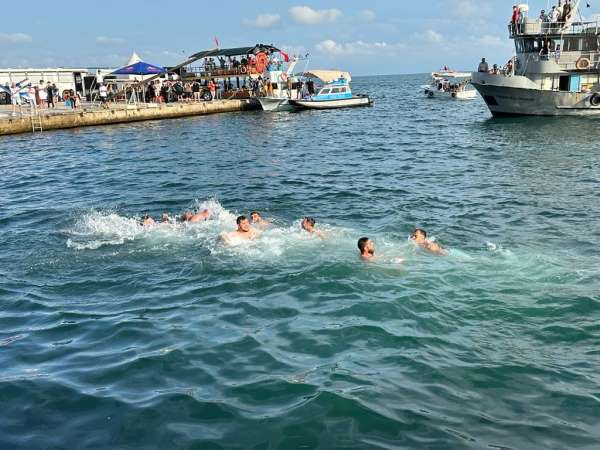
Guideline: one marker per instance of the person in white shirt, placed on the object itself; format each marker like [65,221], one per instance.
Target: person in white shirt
[15,97]
[103,90]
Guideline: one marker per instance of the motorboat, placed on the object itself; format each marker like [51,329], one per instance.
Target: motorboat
[450,85]
[555,70]
[283,86]
[335,92]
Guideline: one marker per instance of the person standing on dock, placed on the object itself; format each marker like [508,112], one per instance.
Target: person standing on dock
[104,95]
[50,96]
[15,97]
[213,89]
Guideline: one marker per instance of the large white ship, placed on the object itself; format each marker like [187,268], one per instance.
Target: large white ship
[556,70]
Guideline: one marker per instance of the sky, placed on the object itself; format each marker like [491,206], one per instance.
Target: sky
[365,37]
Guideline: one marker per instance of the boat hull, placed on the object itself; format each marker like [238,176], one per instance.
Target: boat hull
[275,104]
[518,96]
[442,95]
[332,104]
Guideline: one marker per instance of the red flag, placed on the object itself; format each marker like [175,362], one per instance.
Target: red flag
[217,41]
[286,57]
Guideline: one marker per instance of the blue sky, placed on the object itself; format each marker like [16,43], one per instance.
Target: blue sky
[376,37]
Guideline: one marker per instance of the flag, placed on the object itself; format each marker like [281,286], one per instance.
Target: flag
[286,57]
[216,41]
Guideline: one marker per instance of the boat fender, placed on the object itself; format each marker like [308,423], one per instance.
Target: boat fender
[454,95]
[430,94]
[595,99]
[583,63]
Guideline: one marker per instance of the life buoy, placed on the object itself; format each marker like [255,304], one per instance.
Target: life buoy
[261,62]
[595,99]
[244,69]
[283,77]
[430,95]
[583,63]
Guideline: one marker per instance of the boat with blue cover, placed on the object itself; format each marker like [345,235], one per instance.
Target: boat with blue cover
[335,92]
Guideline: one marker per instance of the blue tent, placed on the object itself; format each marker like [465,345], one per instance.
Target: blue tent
[140,68]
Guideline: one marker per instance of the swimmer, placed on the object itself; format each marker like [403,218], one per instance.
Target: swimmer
[367,249]
[419,236]
[308,225]
[165,218]
[257,220]
[244,232]
[188,216]
[147,221]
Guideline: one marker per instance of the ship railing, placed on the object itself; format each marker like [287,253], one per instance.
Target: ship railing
[567,60]
[535,27]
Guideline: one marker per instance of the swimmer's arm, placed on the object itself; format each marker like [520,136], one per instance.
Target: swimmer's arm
[437,249]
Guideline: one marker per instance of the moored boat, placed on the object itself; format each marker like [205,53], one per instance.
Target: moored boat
[450,85]
[335,93]
[556,70]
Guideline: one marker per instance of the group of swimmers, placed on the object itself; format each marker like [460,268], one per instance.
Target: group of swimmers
[248,229]
[366,246]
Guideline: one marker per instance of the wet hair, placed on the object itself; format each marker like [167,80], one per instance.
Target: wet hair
[240,219]
[421,231]
[254,212]
[362,243]
[310,220]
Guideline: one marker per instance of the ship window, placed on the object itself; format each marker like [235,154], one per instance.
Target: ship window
[571,44]
[335,90]
[343,89]
[324,91]
[589,44]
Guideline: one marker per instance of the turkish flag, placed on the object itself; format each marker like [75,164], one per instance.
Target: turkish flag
[286,57]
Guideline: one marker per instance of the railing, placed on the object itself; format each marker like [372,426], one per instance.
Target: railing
[536,27]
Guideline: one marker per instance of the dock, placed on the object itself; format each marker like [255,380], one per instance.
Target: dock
[30,121]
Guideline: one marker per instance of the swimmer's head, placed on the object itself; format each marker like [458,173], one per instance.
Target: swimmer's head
[366,246]
[419,235]
[308,224]
[255,217]
[243,224]
[186,216]
[165,217]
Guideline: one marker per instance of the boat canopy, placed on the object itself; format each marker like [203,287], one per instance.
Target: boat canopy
[237,51]
[328,76]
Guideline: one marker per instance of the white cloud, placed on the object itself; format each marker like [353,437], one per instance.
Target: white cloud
[433,36]
[308,16]
[109,40]
[333,48]
[15,38]
[488,40]
[263,21]
[368,15]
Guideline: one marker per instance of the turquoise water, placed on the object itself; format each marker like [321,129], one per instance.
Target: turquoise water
[115,336]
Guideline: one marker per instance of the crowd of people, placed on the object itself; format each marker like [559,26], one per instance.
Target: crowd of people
[41,95]
[248,229]
[549,21]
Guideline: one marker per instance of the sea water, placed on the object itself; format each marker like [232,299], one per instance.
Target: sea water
[115,335]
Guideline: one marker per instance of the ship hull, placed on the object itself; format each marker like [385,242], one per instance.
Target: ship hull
[517,96]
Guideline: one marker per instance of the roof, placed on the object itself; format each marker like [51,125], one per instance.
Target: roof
[237,51]
[328,76]
[42,69]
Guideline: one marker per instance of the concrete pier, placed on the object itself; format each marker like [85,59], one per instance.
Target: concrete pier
[119,113]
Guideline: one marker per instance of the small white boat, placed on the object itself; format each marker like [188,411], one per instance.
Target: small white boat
[450,85]
[283,87]
[335,93]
